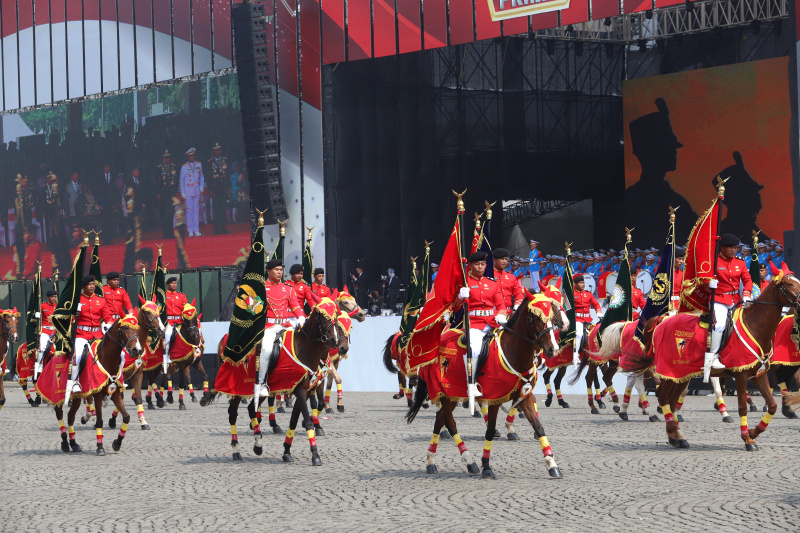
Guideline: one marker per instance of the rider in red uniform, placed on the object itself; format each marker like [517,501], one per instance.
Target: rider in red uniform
[509,285]
[48,307]
[117,299]
[175,301]
[637,299]
[321,290]
[94,319]
[677,278]
[282,309]
[301,289]
[487,310]
[584,302]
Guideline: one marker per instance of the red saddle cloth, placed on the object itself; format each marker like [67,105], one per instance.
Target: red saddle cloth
[593,346]
[289,372]
[448,377]
[630,349]
[52,383]
[679,344]
[785,350]
[237,379]
[25,365]
[564,357]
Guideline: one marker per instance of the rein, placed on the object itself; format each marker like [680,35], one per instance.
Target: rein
[536,341]
[323,335]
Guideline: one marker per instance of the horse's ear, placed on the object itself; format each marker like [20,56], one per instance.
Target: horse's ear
[14,310]
[199,317]
[141,300]
[193,301]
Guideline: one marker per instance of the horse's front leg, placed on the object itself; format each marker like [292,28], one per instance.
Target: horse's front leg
[528,406]
[668,393]
[313,400]
[450,423]
[183,379]
[62,428]
[255,425]
[271,414]
[73,409]
[491,423]
[327,398]
[136,381]
[233,414]
[772,407]
[301,397]
[434,444]
[591,376]
[116,444]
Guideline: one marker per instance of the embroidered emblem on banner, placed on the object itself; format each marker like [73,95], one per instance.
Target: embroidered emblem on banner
[508,9]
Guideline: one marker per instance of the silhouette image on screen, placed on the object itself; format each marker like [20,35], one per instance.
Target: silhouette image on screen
[742,198]
[647,201]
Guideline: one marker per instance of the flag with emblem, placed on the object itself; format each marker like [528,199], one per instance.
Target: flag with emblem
[159,290]
[568,288]
[249,311]
[423,343]
[699,266]
[416,299]
[308,262]
[95,269]
[658,298]
[32,322]
[755,272]
[67,306]
[620,308]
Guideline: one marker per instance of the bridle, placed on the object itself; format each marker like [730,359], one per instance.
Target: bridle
[324,336]
[119,343]
[6,332]
[792,301]
[191,329]
[149,326]
[536,341]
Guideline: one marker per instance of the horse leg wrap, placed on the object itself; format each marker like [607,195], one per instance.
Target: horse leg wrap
[597,395]
[289,437]
[512,414]
[485,413]
[613,394]
[114,413]
[549,390]
[256,427]
[312,440]
[149,392]
[315,417]
[27,394]
[205,387]
[668,417]
[589,394]
[63,429]
[784,390]
[743,426]
[140,412]
[339,390]
[191,389]
[558,395]
[234,436]
[123,429]
[271,415]
[487,449]
[765,420]
[327,396]
[536,409]
[544,444]
[99,436]
[626,399]
[462,448]
[169,385]
[432,449]
[408,394]
[678,405]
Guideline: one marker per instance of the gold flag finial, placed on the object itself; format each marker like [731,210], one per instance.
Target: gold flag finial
[428,247]
[40,267]
[460,202]
[96,237]
[567,245]
[55,276]
[413,263]
[477,221]
[488,209]
[283,227]
[85,238]
[721,186]
[672,214]
[261,215]
[309,232]
[159,249]
[628,234]
[755,240]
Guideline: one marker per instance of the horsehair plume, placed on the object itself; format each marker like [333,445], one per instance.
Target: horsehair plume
[581,367]
[387,355]
[610,341]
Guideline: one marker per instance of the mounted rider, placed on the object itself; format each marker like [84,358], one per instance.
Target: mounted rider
[175,301]
[46,336]
[508,284]
[487,310]
[584,303]
[301,289]
[93,321]
[116,298]
[282,310]
[731,272]
[321,290]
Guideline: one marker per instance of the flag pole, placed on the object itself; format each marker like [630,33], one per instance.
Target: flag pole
[471,388]
[671,237]
[712,321]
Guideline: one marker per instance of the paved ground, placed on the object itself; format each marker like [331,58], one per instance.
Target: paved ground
[179,476]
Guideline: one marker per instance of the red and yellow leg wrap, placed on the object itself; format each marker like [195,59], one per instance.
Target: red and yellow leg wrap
[784,391]
[589,393]
[748,396]
[327,395]
[765,420]
[289,437]
[140,411]
[597,395]
[234,433]
[123,429]
[27,394]
[408,393]
[315,416]
[99,436]
[205,386]
[312,440]
[162,389]
[180,394]
[512,413]
[487,449]
[549,390]
[544,444]
[191,388]
[722,408]
[271,413]
[258,412]
[114,413]
[626,398]
[149,391]
[434,443]
[612,392]
[169,385]
[71,430]
[678,405]
[485,412]
[255,426]
[743,426]
[667,410]
[460,443]
[536,409]
[62,427]
[558,394]
[339,390]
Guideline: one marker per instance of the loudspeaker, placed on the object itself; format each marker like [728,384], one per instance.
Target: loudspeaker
[259,110]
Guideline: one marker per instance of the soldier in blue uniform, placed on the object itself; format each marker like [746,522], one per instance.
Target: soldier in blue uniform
[763,253]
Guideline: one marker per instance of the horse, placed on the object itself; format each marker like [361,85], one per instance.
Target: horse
[102,369]
[506,371]
[393,361]
[9,320]
[746,354]
[347,307]
[150,325]
[25,372]
[322,398]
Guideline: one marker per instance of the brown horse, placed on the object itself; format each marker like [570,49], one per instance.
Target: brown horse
[524,336]
[347,306]
[761,320]
[317,398]
[9,320]
[123,334]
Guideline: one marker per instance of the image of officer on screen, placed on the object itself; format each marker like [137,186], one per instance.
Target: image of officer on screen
[656,147]
[742,198]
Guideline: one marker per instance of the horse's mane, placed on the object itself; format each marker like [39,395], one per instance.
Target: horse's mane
[515,316]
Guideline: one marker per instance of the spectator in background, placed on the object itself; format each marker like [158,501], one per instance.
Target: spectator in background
[106,194]
[392,288]
[73,193]
[32,252]
[434,271]
[358,286]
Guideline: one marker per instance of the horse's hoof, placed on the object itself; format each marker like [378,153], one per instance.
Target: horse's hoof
[75,447]
[477,414]
[679,418]
[488,474]
[496,434]
[287,458]
[112,422]
[727,419]
[150,405]
[522,415]
[653,418]
[673,442]
[600,404]
[513,436]
[84,420]
[169,398]
[595,411]
[659,410]
[100,452]
[623,416]
[237,456]
[555,472]
[258,450]
[549,400]
[329,410]
[683,443]
[616,409]
[280,410]
[398,396]
[563,404]
[753,409]
[38,401]
[465,405]
[787,411]
[410,403]
[764,409]
[425,405]
[472,468]
[160,403]
[319,431]
[64,446]
[444,434]
[203,402]
[182,407]
[32,402]
[244,401]
[145,427]
[116,445]
[751,447]
[316,461]
[277,429]
[431,469]
[194,400]
[340,408]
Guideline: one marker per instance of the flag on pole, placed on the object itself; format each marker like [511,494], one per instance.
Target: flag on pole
[620,307]
[416,300]
[568,288]
[658,299]
[32,322]
[699,266]
[308,260]
[95,269]
[68,300]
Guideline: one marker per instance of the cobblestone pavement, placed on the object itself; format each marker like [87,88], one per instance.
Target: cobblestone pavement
[179,476]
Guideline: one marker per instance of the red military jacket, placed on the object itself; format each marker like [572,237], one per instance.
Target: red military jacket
[764,283]
[485,301]
[281,303]
[118,300]
[323,291]
[729,273]
[92,314]
[510,288]
[584,301]
[304,293]
[677,281]
[638,302]
[175,302]
[47,312]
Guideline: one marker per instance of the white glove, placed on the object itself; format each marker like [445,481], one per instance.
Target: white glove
[38,315]
[747,299]
[713,283]
[104,327]
[301,321]
[463,293]
[80,306]
[501,319]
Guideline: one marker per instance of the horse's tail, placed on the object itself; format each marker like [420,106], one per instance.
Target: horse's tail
[419,398]
[610,345]
[578,371]
[638,362]
[221,345]
[387,355]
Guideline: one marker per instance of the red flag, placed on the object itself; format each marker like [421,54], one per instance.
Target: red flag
[476,240]
[699,267]
[423,343]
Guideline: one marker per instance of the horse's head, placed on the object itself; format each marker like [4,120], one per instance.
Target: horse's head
[347,304]
[539,324]
[149,318]
[190,329]
[8,326]
[788,289]
[321,324]
[127,335]
[560,319]
[344,325]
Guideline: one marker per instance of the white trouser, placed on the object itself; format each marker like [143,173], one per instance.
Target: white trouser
[475,342]
[535,280]
[80,344]
[579,329]
[167,337]
[720,319]
[44,338]
[193,214]
[266,350]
